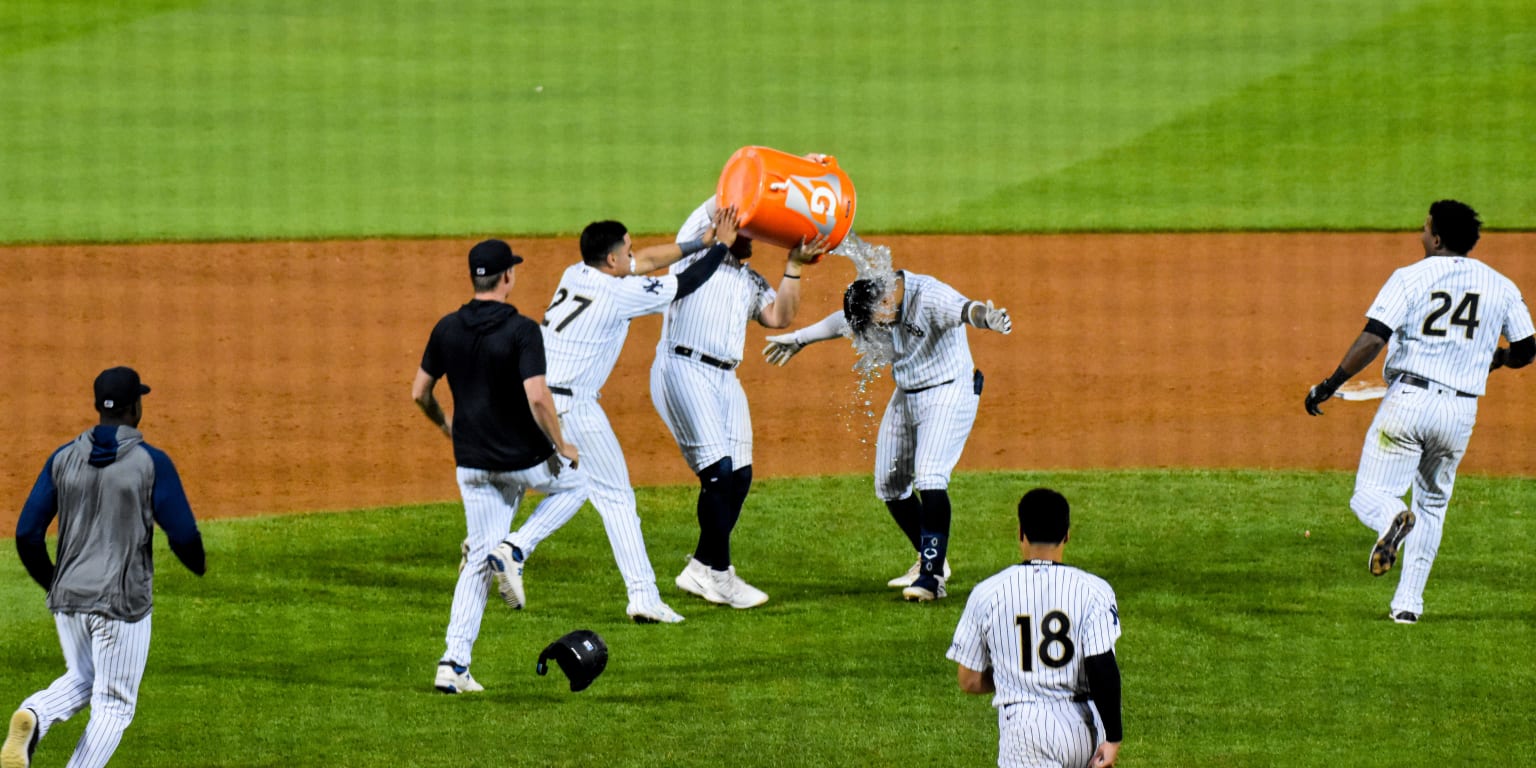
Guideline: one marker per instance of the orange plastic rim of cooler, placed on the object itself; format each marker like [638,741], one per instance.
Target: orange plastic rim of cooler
[783,199]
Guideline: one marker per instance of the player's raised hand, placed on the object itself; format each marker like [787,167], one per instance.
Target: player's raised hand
[809,252]
[781,348]
[726,222]
[998,319]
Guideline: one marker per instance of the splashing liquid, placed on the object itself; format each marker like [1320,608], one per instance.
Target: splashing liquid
[875,347]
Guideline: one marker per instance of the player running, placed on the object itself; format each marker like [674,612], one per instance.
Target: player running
[584,330]
[1443,317]
[696,392]
[920,323]
[1041,636]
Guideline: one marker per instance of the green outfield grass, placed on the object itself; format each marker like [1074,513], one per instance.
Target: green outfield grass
[313,639]
[236,119]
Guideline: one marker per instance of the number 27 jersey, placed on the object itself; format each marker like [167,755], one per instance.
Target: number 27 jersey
[1032,625]
[588,319]
[1446,314]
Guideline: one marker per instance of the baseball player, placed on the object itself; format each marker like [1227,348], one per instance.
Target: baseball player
[917,324]
[506,440]
[108,488]
[696,392]
[584,330]
[1440,319]
[1041,635]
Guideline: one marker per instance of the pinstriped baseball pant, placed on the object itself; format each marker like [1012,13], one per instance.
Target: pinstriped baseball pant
[1046,734]
[921,437]
[491,500]
[705,408]
[104,661]
[1416,440]
[586,425]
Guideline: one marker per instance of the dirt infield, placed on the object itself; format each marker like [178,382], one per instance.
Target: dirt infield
[281,371]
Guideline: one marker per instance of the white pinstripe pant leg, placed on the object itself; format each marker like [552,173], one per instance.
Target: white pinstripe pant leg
[71,692]
[119,651]
[612,494]
[1445,443]
[564,493]
[1389,458]
[705,408]
[1045,735]
[488,512]
[944,417]
[895,446]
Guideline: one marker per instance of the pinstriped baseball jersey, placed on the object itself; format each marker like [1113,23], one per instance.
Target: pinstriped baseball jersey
[1446,314]
[588,320]
[930,343]
[1033,624]
[713,319]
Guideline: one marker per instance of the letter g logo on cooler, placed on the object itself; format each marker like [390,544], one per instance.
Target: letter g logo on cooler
[816,199]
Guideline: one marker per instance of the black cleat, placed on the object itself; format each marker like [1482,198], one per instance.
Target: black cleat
[1384,554]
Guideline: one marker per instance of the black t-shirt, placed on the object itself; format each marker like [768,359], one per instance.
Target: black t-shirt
[486,349]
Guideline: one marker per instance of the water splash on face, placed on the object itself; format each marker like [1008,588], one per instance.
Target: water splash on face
[875,347]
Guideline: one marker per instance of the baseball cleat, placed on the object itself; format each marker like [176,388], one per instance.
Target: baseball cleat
[906,579]
[21,740]
[653,613]
[695,581]
[506,563]
[1405,617]
[1384,554]
[452,678]
[737,593]
[924,590]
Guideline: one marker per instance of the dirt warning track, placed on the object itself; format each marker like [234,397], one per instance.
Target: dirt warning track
[281,371]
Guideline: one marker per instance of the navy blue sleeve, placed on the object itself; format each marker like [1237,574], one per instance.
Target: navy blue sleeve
[699,271]
[173,513]
[37,514]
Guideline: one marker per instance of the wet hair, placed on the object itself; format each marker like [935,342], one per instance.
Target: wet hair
[860,302]
[1044,517]
[742,248]
[599,239]
[1456,224]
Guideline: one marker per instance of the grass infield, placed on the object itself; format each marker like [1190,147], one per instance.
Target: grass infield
[313,639]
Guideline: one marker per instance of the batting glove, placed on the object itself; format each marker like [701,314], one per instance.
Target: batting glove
[1318,395]
[998,320]
[781,348]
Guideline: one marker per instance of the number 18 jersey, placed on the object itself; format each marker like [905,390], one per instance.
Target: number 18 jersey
[1446,314]
[1032,625]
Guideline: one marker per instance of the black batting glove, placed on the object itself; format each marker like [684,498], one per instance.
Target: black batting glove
[1500,357]
[1317,396]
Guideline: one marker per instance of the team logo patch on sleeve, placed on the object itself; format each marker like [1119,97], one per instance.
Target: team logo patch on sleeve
[652,285]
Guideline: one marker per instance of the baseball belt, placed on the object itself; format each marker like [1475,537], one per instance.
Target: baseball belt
[723,365]
[1422,383]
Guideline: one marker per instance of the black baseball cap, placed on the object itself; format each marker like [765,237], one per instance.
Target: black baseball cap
[118,388]
[491,257]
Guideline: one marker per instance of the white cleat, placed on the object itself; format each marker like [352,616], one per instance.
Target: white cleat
[452,678]
[506,563]
[653,613]
[20,740]
[719,587]
[906,579]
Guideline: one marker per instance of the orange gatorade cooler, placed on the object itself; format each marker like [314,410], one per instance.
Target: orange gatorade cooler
[783,199]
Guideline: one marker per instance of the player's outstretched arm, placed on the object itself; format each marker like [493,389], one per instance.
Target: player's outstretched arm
[784,346]
[988,317]
[1365,349]
[782,311]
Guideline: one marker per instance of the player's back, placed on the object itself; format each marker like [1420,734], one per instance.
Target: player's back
[1446,315]
[588,319]
[1039,620]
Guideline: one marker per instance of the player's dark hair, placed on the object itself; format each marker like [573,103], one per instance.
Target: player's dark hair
[599,239]
[1456,224]
[860,301]
[742,248]
[1044,517]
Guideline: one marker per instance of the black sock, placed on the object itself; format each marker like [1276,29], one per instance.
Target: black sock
[908,514]
[934,541]
[739,483]
[714,508]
